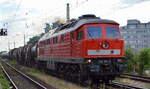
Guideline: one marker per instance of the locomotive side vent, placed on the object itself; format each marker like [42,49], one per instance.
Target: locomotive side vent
[88,16]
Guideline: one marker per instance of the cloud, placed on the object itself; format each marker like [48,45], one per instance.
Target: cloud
[138,11]
[100,8]
[32,14]
[128,3]
[2,1]
[133,1]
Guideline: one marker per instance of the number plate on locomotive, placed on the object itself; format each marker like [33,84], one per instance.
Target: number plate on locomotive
[104,52]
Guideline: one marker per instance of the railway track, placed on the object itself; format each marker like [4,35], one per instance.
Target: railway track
[136,77]
[24,85]
[116,85]
[18,79]
[13,85]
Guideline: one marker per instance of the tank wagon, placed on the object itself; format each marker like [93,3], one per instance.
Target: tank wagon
[86,48]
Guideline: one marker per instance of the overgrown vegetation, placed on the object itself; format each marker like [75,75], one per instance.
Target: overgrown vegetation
[138,63]
[34,39]
[54,81]
[13,62]
[3,81]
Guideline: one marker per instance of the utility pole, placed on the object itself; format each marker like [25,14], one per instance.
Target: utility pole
[68,13]
[8,45]
[14,44]
[24,39]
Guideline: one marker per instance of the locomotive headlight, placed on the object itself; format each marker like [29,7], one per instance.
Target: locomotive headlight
[88,61]
[105,45]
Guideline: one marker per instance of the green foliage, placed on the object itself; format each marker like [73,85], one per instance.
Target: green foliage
[3,81]
[130,57]
[138,62]
[47,28]
[13,62]
[33,39]
[144,60]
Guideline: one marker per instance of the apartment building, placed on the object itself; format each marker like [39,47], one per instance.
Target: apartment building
[136,34]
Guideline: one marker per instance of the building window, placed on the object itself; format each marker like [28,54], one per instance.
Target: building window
[132,46]
[139,41]
[141,25]
[134,36]
[126,37]
[131,26]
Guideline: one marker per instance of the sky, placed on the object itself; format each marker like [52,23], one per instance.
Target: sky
[27,17]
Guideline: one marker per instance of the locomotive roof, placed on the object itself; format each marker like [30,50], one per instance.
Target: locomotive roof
[75,25]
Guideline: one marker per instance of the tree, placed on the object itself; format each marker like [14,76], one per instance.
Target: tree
[131,60]
[33,39]
[144,60]
[47,28]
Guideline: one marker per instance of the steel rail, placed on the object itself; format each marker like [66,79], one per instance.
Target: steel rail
[7,75]
[136,77]
[124,86]
[27,77]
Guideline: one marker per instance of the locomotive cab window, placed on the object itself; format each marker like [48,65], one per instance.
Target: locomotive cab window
[94,32]
[48,41]
[55,40]
[112,32]
[72,34]
[62,38]
[80,35]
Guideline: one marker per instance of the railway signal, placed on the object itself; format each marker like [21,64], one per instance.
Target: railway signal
[3,32]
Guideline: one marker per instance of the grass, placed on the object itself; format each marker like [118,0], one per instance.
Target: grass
[53,81]
[3,81]
[13,62]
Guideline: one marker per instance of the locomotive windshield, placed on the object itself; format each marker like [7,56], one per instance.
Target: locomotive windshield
[94,32]
[112,32]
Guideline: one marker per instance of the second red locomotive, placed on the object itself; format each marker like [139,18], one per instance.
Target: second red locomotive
[88,47]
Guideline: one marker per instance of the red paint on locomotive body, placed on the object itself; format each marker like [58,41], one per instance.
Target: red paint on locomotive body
[71,45]
[94,47]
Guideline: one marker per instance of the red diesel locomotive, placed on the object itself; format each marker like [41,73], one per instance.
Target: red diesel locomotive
[88,47]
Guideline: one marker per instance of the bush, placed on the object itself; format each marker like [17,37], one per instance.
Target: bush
[144,60]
